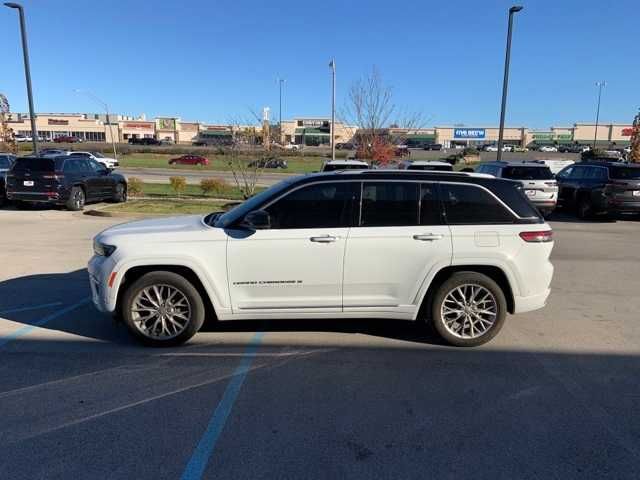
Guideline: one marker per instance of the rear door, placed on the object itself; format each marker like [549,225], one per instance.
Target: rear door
[399,240]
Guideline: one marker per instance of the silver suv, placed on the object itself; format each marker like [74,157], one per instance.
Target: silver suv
[537,181]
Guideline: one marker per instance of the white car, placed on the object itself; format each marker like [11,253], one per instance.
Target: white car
[350,164]
[491,148]
[457,250]
[548,149]
[110,163]
[425,165]
[22,138]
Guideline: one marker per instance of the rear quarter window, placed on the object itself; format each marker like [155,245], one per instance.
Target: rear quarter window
[625,173]
[528,173]
[468,204]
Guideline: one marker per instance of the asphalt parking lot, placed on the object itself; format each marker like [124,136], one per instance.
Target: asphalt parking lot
[555,395]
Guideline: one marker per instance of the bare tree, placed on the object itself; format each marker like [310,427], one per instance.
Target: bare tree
[369,107]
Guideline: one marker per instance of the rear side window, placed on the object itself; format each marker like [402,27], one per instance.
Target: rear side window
[527,173]
[323,205]
[625,173]
[34,165]
[387,204]
[470,204]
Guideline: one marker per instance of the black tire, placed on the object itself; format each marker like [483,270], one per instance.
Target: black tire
[76,200]
[468,278]
[197,309]
[120,195]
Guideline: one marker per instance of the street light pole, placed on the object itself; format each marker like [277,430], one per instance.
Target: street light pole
[280,82]
[27,73]
[332,65]
[106,109]
[505,82]
[595,135]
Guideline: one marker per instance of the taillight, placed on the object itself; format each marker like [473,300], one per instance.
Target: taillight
[542,236]
[551,184]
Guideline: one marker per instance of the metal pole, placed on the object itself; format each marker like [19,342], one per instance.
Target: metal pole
[27,74]
[505,82]
[333,109]
[595,136]
[106,109]
[280,81]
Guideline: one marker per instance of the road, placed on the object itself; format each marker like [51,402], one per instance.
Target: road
[555,395]
[161,175]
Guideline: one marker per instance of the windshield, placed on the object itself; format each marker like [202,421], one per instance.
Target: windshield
[528,173]
[252,203]
[97,154]
[440,168]
[625,173]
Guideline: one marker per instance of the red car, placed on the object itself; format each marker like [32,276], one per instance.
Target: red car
[67,139]
[189,160]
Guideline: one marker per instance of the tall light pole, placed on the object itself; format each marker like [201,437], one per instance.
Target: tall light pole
[106,109]
[280,84]
[332,66]
[505,82]
[600,85]
[27,73]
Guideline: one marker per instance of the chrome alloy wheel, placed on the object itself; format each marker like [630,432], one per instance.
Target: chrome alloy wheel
[469,311]
[161,312]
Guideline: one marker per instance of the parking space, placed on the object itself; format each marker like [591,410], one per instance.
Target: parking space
[555,395]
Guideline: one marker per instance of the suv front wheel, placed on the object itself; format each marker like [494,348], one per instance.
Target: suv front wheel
[468,309]
[163,309]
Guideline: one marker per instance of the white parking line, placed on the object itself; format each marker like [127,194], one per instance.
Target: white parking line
[30,307]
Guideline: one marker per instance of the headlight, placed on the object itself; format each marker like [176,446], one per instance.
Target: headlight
[102,249]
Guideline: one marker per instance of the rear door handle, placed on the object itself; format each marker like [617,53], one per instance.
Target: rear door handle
[323,239]
[428,237]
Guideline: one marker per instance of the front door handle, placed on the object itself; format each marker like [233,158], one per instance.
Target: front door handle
[428,237]
[323,239]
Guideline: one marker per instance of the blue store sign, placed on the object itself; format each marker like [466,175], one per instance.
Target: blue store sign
[466,133]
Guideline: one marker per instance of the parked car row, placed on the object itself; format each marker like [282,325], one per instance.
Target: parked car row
[66,180]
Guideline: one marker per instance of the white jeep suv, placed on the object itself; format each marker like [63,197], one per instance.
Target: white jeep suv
[456,250]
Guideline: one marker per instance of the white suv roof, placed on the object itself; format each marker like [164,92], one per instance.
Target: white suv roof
[347,162]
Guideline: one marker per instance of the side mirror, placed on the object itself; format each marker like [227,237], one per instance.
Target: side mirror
[257,220]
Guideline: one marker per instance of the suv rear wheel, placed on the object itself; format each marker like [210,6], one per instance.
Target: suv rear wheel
[468,309]
[162,309]
[76,199]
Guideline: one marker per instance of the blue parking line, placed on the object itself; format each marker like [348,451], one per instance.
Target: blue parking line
[200,458]
[30,307]
[32,326]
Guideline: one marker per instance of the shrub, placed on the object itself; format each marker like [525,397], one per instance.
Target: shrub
[134,187]
[178,184]
[213,185]
[470,151]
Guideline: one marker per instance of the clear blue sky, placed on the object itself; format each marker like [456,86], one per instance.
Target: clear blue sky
[213,60]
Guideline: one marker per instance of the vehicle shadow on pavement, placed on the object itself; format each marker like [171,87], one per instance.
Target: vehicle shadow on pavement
[73,287]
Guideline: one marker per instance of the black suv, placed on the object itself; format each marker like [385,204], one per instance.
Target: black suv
[65,180]
[596,188]
[144,141]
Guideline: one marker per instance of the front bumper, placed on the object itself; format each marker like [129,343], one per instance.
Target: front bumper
[100,269]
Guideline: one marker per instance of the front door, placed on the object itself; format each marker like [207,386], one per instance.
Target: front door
[297,264]
[399,242]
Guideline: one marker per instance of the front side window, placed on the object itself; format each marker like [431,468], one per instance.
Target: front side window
[387,204]
[323,205]
[470,204]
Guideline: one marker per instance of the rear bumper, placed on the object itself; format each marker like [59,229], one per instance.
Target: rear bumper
[531,302]
[39,197]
